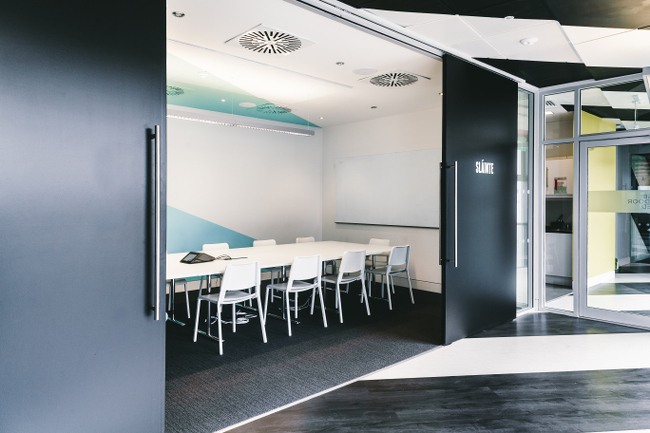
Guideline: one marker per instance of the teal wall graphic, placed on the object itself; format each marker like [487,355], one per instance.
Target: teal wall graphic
[186,232]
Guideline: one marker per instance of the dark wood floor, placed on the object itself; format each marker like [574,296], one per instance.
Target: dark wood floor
[576,401]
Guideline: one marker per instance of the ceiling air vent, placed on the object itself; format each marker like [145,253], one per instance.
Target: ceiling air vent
[394,79]
[174,91]
[550,104]
[270,108]
[269,41]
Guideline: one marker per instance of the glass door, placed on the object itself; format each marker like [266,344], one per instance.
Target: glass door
[615,231]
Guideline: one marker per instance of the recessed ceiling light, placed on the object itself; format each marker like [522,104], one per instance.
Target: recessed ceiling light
[340,63]
[373,107]
[247,104]
[178,14]
[321,118]
[223,99]
[528,41]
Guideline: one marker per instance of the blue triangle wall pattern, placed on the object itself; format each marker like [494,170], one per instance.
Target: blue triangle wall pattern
[186,232]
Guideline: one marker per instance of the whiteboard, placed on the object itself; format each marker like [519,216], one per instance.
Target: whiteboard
[395,189]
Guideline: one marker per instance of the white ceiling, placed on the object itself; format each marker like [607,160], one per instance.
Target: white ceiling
[308,81]
[326,81]
[500,38]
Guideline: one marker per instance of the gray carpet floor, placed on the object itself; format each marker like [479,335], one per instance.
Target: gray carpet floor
[207,392]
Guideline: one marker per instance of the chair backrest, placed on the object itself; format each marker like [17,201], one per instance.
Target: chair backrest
[305,239]
[262,242]
[399,257]
[216,247]
[352,261]
[240,276]
[305,268]
[377,241]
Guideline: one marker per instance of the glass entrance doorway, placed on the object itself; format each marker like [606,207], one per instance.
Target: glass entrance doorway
[615,234]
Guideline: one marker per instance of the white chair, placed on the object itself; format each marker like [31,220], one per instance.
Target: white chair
[300,240]
[240,283]
[305,274]
[352,268]
[398,263]
[263,242]
[213,250]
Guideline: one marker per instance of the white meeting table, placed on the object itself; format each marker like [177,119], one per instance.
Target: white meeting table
[268,256]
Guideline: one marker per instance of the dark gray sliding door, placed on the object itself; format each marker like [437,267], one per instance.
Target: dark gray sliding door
[478,200]
[82,85]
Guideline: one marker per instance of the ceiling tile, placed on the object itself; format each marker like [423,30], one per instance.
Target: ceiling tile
[494,26]
[628,49]
[580,35]
[551,46]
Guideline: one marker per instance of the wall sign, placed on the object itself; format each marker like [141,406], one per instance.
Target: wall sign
[484,167]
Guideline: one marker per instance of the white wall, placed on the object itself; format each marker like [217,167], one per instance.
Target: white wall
[258,183]
[408,132]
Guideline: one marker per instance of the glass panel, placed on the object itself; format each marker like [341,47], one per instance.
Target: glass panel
[558,110]
[620,107]
[618,229]
[524,118]
[559,226]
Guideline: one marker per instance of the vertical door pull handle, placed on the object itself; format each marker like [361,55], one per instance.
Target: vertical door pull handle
[455,214]
[157,192]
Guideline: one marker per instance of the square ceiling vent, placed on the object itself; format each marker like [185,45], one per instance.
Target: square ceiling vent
[266,40]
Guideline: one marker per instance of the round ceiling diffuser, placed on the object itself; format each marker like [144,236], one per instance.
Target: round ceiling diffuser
[270,108]
[174,91]
[270,42]
[394,79]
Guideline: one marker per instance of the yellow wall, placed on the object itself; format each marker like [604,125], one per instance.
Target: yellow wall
[592,124]
[601,226]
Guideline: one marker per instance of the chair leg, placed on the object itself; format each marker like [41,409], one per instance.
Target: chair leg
[313,300]
[295,305]
[234,317]
[287,304]
[389,282]
[408,275]
[266,302]
[364,295]
[261,317]
[219,325]
[187,300]
[196,320]
[338,302]
[322,306]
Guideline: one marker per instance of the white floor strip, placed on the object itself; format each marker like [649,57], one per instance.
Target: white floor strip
[628,302]
[475,356]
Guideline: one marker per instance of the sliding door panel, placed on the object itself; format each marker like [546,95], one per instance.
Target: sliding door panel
[83,88]
[478,206]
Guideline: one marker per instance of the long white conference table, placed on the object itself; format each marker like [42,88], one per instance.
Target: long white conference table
[268,256]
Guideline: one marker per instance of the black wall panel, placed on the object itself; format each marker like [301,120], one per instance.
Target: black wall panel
[80,84]
[478,232]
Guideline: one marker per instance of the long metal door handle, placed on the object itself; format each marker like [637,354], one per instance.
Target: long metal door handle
[455,214]
[157,187]
[440,258]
